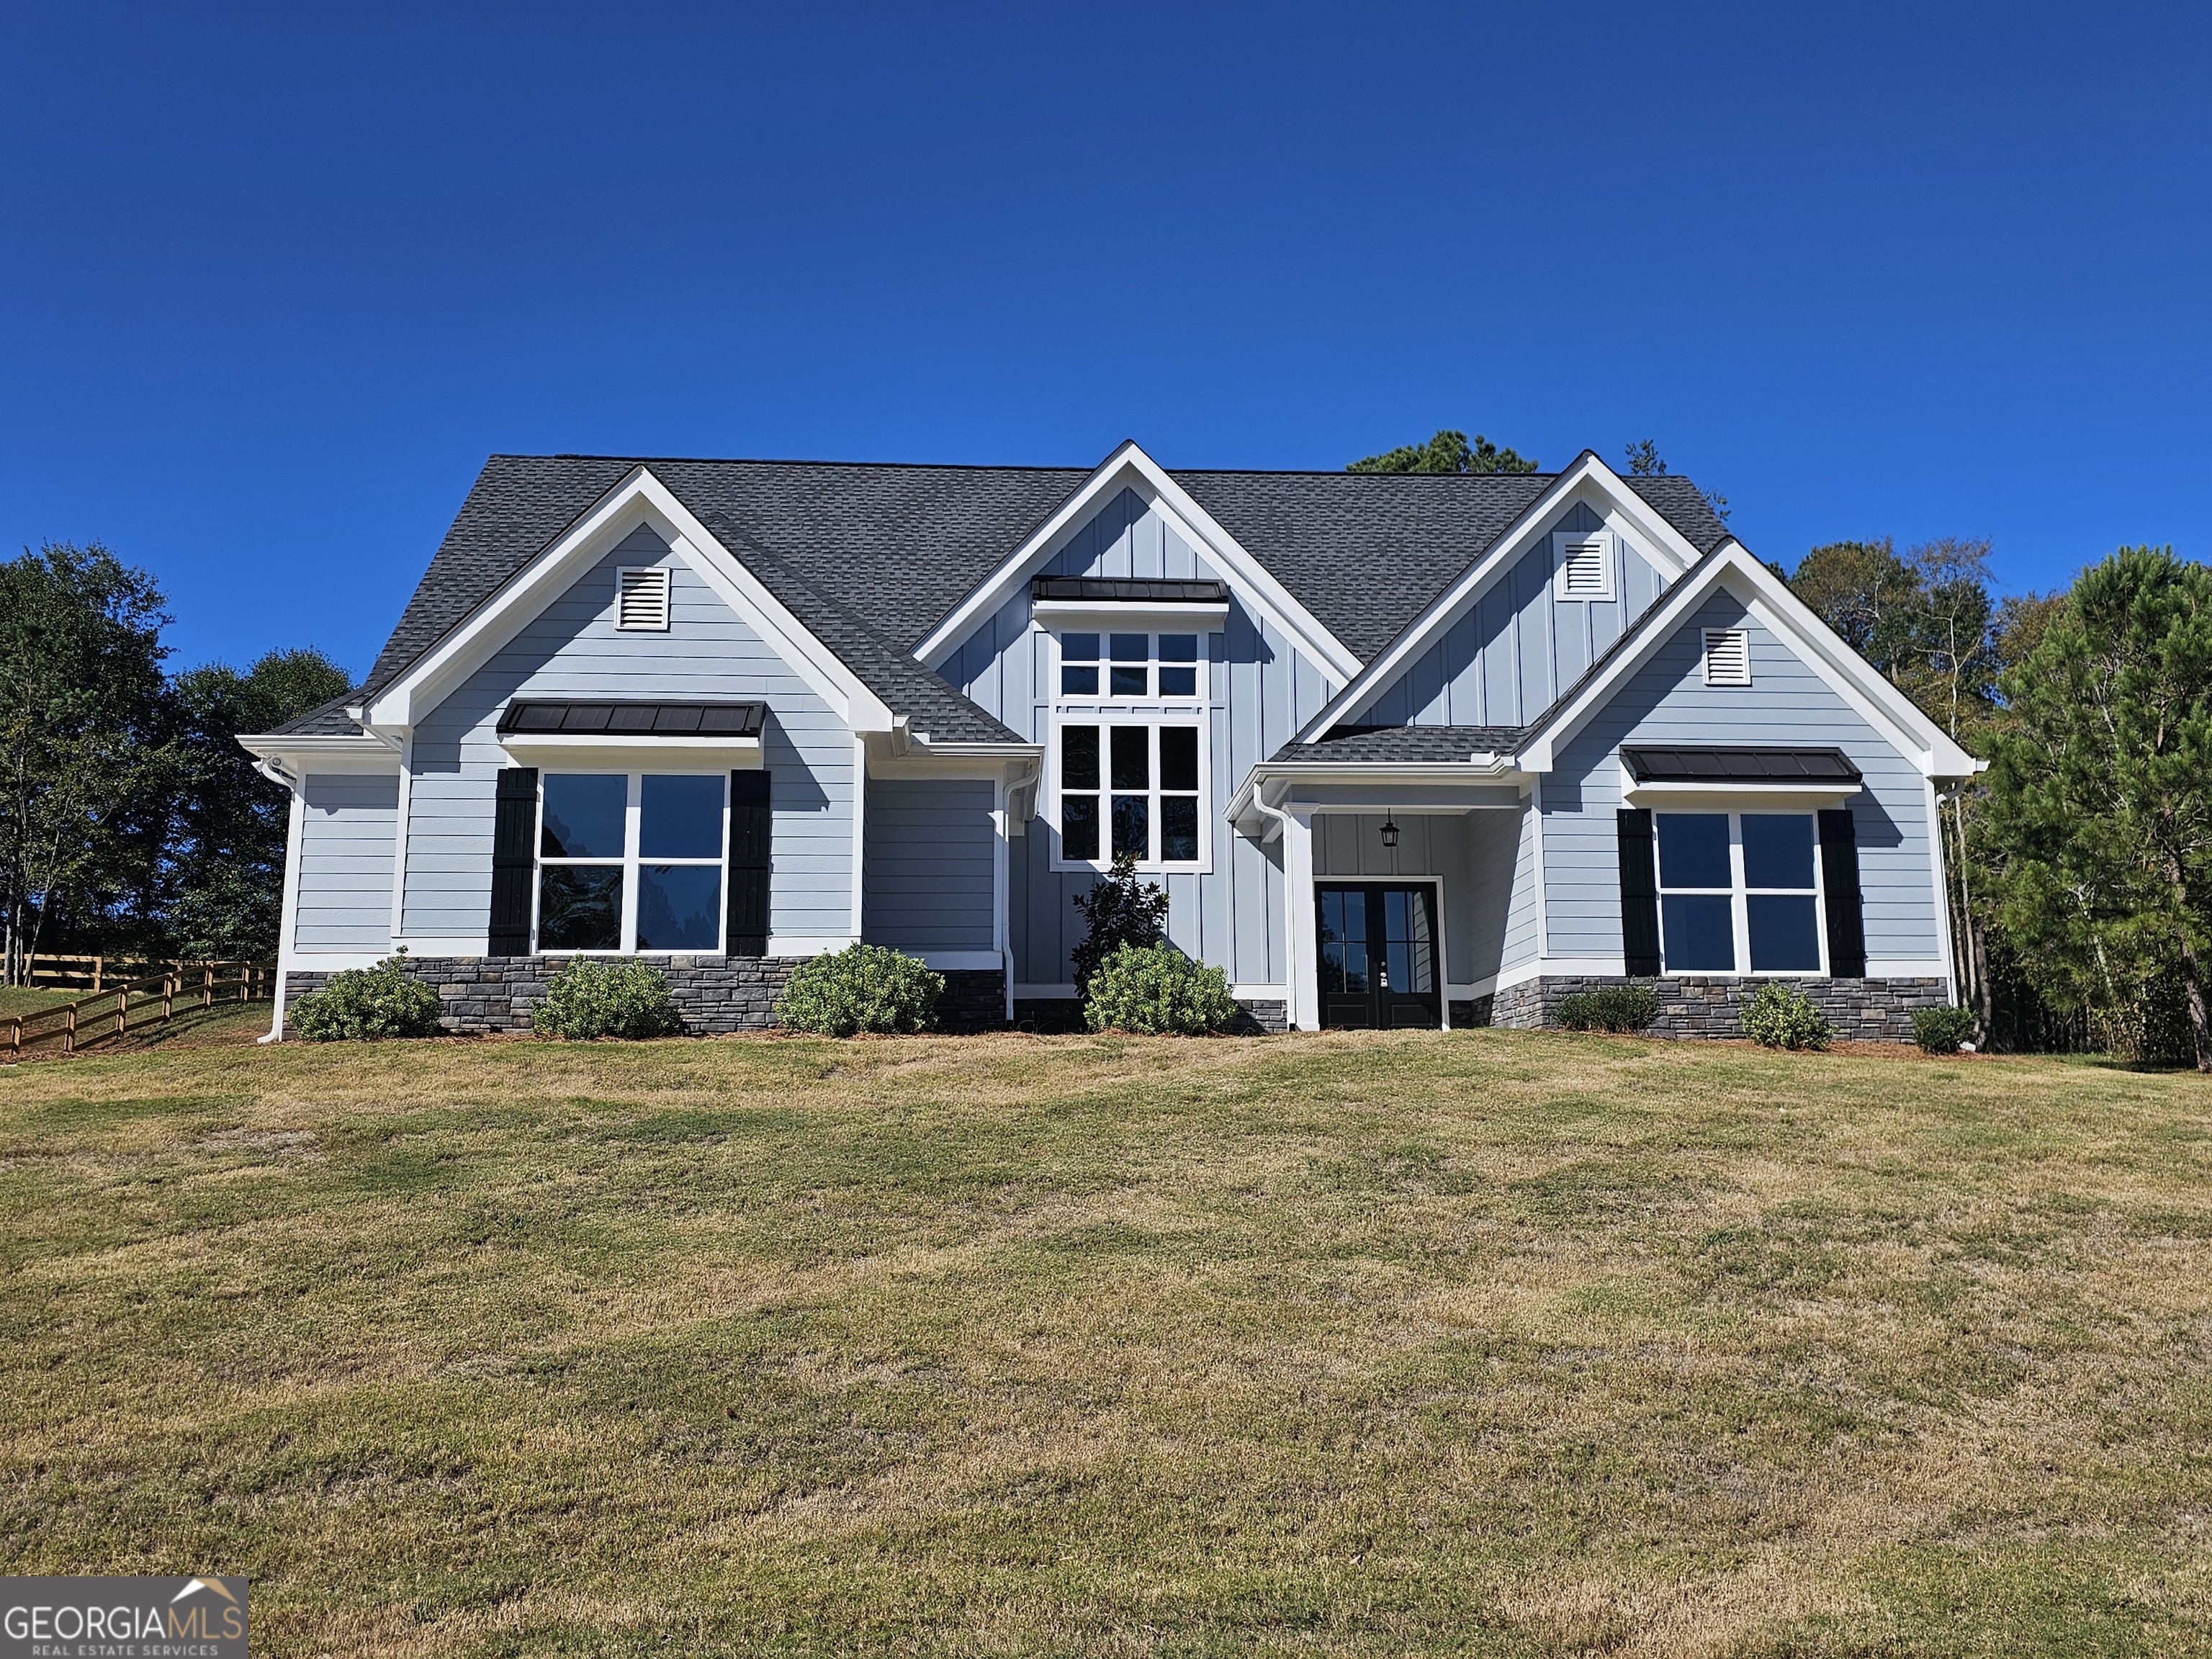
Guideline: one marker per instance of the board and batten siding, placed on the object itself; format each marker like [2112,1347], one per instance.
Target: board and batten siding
[1787,704]
[1260,692]
[572,648]
[931,849]
[347,825]
[1515,649]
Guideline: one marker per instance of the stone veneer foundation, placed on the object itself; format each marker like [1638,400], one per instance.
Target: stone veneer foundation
[1861,1010]
[715,994]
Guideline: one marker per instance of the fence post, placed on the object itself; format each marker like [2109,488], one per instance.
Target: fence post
[15,1036]
[98,963]
[207,985]
[69,1030]
[169,994]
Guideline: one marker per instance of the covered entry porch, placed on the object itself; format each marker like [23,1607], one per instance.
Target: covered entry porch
[1399,890]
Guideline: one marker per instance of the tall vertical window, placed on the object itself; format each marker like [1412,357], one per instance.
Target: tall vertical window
[631,861]
[1738,890]
[1129,789]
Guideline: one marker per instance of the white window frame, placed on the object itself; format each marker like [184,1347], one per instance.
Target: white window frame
[1706,636]
[1738,894]
[1105,697]
[1564,542]
[633,815]
[622,575]
[1194,716]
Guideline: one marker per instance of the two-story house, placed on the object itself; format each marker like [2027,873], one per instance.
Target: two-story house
[1402,749]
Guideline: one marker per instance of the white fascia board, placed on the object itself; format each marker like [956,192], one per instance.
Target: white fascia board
[1130,467]
[1160,615]
[1731,567]
[1588,478]
[640,498]
[556,749]
[298,756]
[1255,794]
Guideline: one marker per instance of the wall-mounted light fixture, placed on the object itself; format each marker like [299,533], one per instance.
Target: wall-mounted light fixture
[1390,831]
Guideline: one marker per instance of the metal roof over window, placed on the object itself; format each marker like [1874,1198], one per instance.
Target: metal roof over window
[1127,590]
[636,719]
[1732,765]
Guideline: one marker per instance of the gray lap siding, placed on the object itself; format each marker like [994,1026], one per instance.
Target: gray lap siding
[573,648]
[346,823]
[931,869]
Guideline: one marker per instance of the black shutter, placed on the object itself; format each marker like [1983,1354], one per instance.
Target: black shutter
[514,860]
[1839,877]
[1639,891]
[751,827]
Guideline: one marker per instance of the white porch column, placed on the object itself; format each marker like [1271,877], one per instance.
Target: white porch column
[1298,895]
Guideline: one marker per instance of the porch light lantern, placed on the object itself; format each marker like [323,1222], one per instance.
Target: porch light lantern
[1390,830]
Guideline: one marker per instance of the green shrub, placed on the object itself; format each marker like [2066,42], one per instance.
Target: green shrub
[1611,1008]
[1120,908]
[1155,988]
[599,997]
[1940,1030]
[1782,1017]
[363,1004]
[862,988]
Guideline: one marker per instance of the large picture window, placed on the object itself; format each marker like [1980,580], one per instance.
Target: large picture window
[631,861]
[1738,892]
[1129,789]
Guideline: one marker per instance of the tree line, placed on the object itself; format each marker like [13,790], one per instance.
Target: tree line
[130,821]
[2078,866]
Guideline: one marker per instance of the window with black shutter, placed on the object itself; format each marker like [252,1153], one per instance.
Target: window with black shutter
[1639,892]
[751,828]
[514,860]
[1839,879]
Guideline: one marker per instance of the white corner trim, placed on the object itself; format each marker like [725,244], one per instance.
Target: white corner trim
[1130,467]
[1731,568]
[859,835]
[1588,479]
[288,914]
[639,499]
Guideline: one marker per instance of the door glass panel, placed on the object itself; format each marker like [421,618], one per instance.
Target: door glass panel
[580,906]
[1693,850]
[680,817]
[1778,850]
[1700,932]
[1344,941]
[1412,959]
[583,816]
[1785,931]
[679,907]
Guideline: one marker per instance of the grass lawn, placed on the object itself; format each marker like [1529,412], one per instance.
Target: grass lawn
[1490,1342]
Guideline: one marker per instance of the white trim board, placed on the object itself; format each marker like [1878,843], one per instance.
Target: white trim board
[1129,468]
[640,500]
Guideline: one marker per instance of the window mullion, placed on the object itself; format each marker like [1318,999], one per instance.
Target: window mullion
[632,815]
[1739,907]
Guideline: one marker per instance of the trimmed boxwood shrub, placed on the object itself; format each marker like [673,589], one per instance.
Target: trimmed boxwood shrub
[1157,990]
[862,988]
[1610,1008]
[597,998]
[1940,1030]
[1783,1017]
[363,1004]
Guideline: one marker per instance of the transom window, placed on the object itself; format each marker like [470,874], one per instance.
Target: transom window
[1129,789]
[631,861]
[1128,666]
[1738,888]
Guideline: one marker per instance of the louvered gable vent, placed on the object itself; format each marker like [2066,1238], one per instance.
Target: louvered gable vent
[1585,562]
[1727,656]
[641,598]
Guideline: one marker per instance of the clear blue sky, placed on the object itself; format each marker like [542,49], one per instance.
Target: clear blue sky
[276,282]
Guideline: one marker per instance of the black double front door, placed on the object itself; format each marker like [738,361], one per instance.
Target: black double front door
[1378,954]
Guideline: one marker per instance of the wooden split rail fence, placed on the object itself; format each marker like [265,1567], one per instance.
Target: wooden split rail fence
[135,1005]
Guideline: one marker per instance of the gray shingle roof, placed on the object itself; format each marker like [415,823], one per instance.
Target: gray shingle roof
[1356,745]
[870,556]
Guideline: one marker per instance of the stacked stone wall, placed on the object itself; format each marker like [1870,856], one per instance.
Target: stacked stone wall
[1861,1010]
[482,995]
